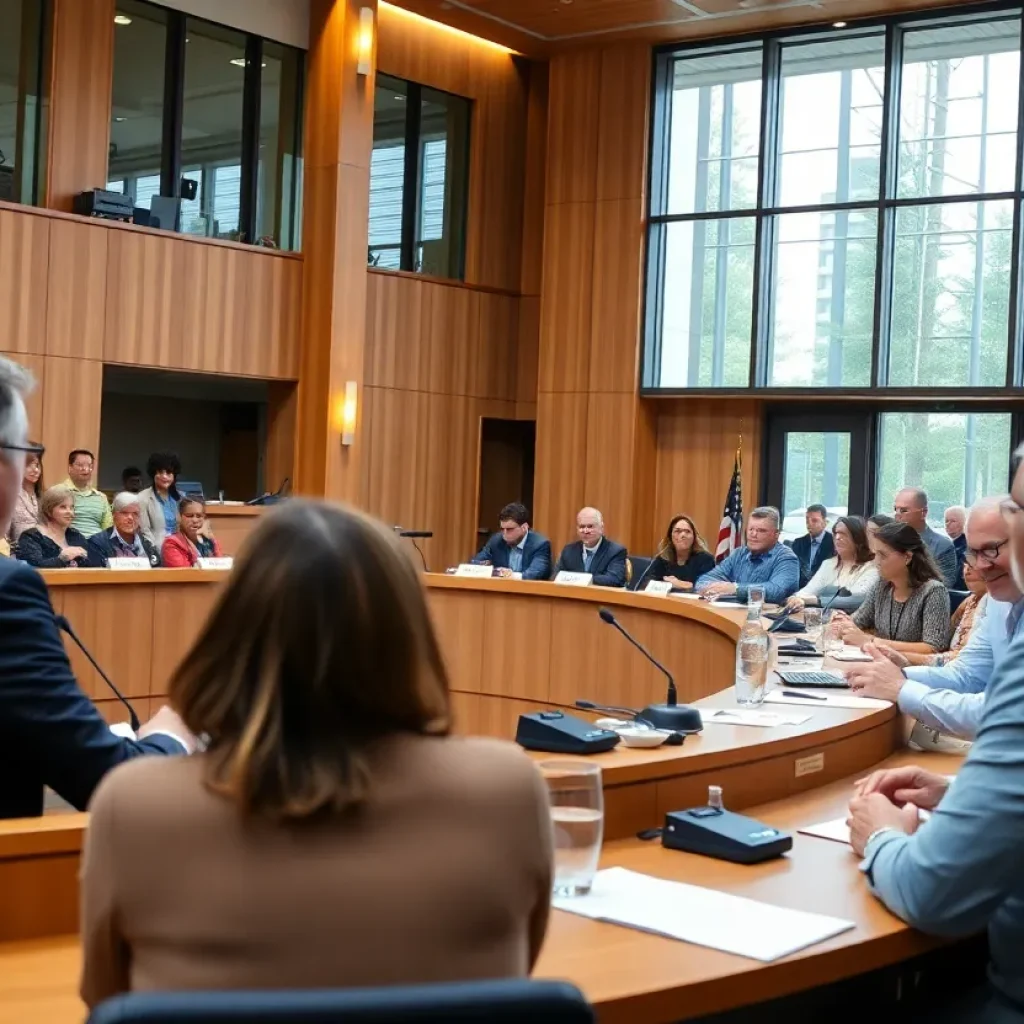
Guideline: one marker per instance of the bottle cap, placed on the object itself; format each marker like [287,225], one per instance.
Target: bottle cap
[715,796]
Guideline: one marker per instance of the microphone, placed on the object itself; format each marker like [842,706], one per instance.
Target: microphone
[650,566]
[63,624]
[414,534]
[589,705]
[670,715]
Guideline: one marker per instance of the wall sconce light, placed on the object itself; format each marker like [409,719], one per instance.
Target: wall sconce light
[348,414]
[364,45]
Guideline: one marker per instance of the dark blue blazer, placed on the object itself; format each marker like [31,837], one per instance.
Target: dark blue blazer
[608,567]
[50,732]
[536,555]
[802,550]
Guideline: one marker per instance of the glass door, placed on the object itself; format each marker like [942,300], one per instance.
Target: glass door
[817,459]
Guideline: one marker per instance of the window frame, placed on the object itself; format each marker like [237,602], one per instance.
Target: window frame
[767,210]
[171,146]
[413,184]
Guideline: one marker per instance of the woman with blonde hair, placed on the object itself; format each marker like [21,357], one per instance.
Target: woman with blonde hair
[684,557]
[54,543]
[333,833]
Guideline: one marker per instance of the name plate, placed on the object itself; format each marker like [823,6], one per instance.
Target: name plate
[574,579]
[477,571]
[660,587]
[128,563]
[215,563]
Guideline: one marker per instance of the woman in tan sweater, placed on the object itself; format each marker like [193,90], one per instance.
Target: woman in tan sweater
[333,833]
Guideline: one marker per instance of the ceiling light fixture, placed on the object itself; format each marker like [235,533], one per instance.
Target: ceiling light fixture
[122,19]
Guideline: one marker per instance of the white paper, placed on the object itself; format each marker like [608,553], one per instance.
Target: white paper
[851,654]
[838,830]
[801,664]
[128,563]
[475,571]
[832,700]
[574,579]
[686,596]
[660,587]
[748,716]
[704,917]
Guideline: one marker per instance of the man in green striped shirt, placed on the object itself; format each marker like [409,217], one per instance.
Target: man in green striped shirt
[92,510]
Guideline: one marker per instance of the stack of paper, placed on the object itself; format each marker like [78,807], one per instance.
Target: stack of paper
[704,917]
[838,830]
[831,700]
[747,716]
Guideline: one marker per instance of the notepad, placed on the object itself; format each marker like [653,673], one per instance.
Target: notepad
[838,830]
[704,917]
[746,716]
[832,700]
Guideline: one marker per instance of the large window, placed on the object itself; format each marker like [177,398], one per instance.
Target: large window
[839,209]
[419,179]
[22,99]
[209,118]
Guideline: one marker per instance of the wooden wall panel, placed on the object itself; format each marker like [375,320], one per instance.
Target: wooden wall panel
[76,290]
[560,481]
[413,49]
[24,253]
[574,126]
[72,396]
[79,119]
[622,140]
[696,444]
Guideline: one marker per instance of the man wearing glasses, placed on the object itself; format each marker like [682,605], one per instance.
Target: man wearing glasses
[951,698]
[50,732]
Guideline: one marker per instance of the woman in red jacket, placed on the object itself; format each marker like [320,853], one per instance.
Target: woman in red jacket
[183,549]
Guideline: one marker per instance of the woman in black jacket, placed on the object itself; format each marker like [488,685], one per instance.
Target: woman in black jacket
[684,557]
[55,543]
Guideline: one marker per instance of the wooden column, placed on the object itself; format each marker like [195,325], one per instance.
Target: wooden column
[81,78]
[339,142]
[596,439]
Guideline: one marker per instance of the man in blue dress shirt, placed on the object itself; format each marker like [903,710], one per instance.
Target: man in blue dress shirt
[960,871]
[764,561]
[950,698]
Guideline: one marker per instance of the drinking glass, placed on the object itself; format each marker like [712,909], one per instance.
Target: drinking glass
[577,817]
[755,597]
[813,626]
[831,644]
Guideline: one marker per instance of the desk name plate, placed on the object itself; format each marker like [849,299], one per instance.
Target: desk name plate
[215,563]
[662,588]
[128,563]
[475,571]
[574,579]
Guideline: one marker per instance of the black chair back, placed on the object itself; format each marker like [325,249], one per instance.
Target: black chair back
[957,598]
[640,566]
[474,1002]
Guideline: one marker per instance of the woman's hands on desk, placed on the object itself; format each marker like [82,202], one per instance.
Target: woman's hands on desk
[678,584]
[842,626]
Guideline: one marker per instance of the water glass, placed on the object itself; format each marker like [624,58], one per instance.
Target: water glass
[813,626]
[577,818]
[755,597]
[831,643]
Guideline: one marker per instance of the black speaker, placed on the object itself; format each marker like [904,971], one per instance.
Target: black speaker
[558,733]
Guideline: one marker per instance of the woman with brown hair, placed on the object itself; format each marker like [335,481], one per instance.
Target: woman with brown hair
[852,569]
[26,510]
[333,833]
[684,557]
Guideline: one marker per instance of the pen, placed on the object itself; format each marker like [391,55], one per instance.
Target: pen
[803,696]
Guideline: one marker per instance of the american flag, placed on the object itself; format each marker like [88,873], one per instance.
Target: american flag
[730,533]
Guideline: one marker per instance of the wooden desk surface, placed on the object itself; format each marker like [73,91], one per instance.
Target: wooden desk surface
[632,977]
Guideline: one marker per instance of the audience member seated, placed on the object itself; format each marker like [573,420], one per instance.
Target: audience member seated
[131,479]
[911,506]
[689,556]
[955,519]
[516,550]
[159,502]
[55,543]
[950,698]
[604,559]
[815,546]
[333,833]
[183,549]
[124,539]
[876,522]
[959,872]
[765,561]
[852,568]
[92,510]
[50,732]
[26,511]
[909,605]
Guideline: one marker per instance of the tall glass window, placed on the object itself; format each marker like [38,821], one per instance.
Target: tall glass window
[419,179]
[857,222]
[210,119]
[23,99]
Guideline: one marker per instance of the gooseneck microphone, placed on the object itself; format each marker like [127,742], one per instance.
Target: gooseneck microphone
[650,565]
[63,624]
[670,715]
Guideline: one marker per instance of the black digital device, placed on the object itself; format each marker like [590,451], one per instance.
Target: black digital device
[715,832]
[559,733]
[819,680]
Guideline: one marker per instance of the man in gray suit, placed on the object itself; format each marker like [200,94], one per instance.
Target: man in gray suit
[911,506]
[959,872]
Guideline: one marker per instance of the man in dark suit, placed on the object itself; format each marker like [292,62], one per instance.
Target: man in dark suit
[517,550]
[50,732]
[816,546]
[594,552]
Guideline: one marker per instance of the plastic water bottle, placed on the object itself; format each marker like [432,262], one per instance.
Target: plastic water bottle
[752,660]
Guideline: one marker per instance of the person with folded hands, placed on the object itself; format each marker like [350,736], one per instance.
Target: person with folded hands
[852,569]
[517,550]
[684,555]
[55,543]
[182,550]
[124,539]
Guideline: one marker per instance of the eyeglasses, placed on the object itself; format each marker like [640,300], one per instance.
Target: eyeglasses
[990,552]
[37,450]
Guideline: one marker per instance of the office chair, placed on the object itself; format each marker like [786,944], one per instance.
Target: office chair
[474,1002]
[957,598]
[636,567]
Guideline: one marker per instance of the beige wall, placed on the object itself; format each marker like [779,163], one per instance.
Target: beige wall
[286,21]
